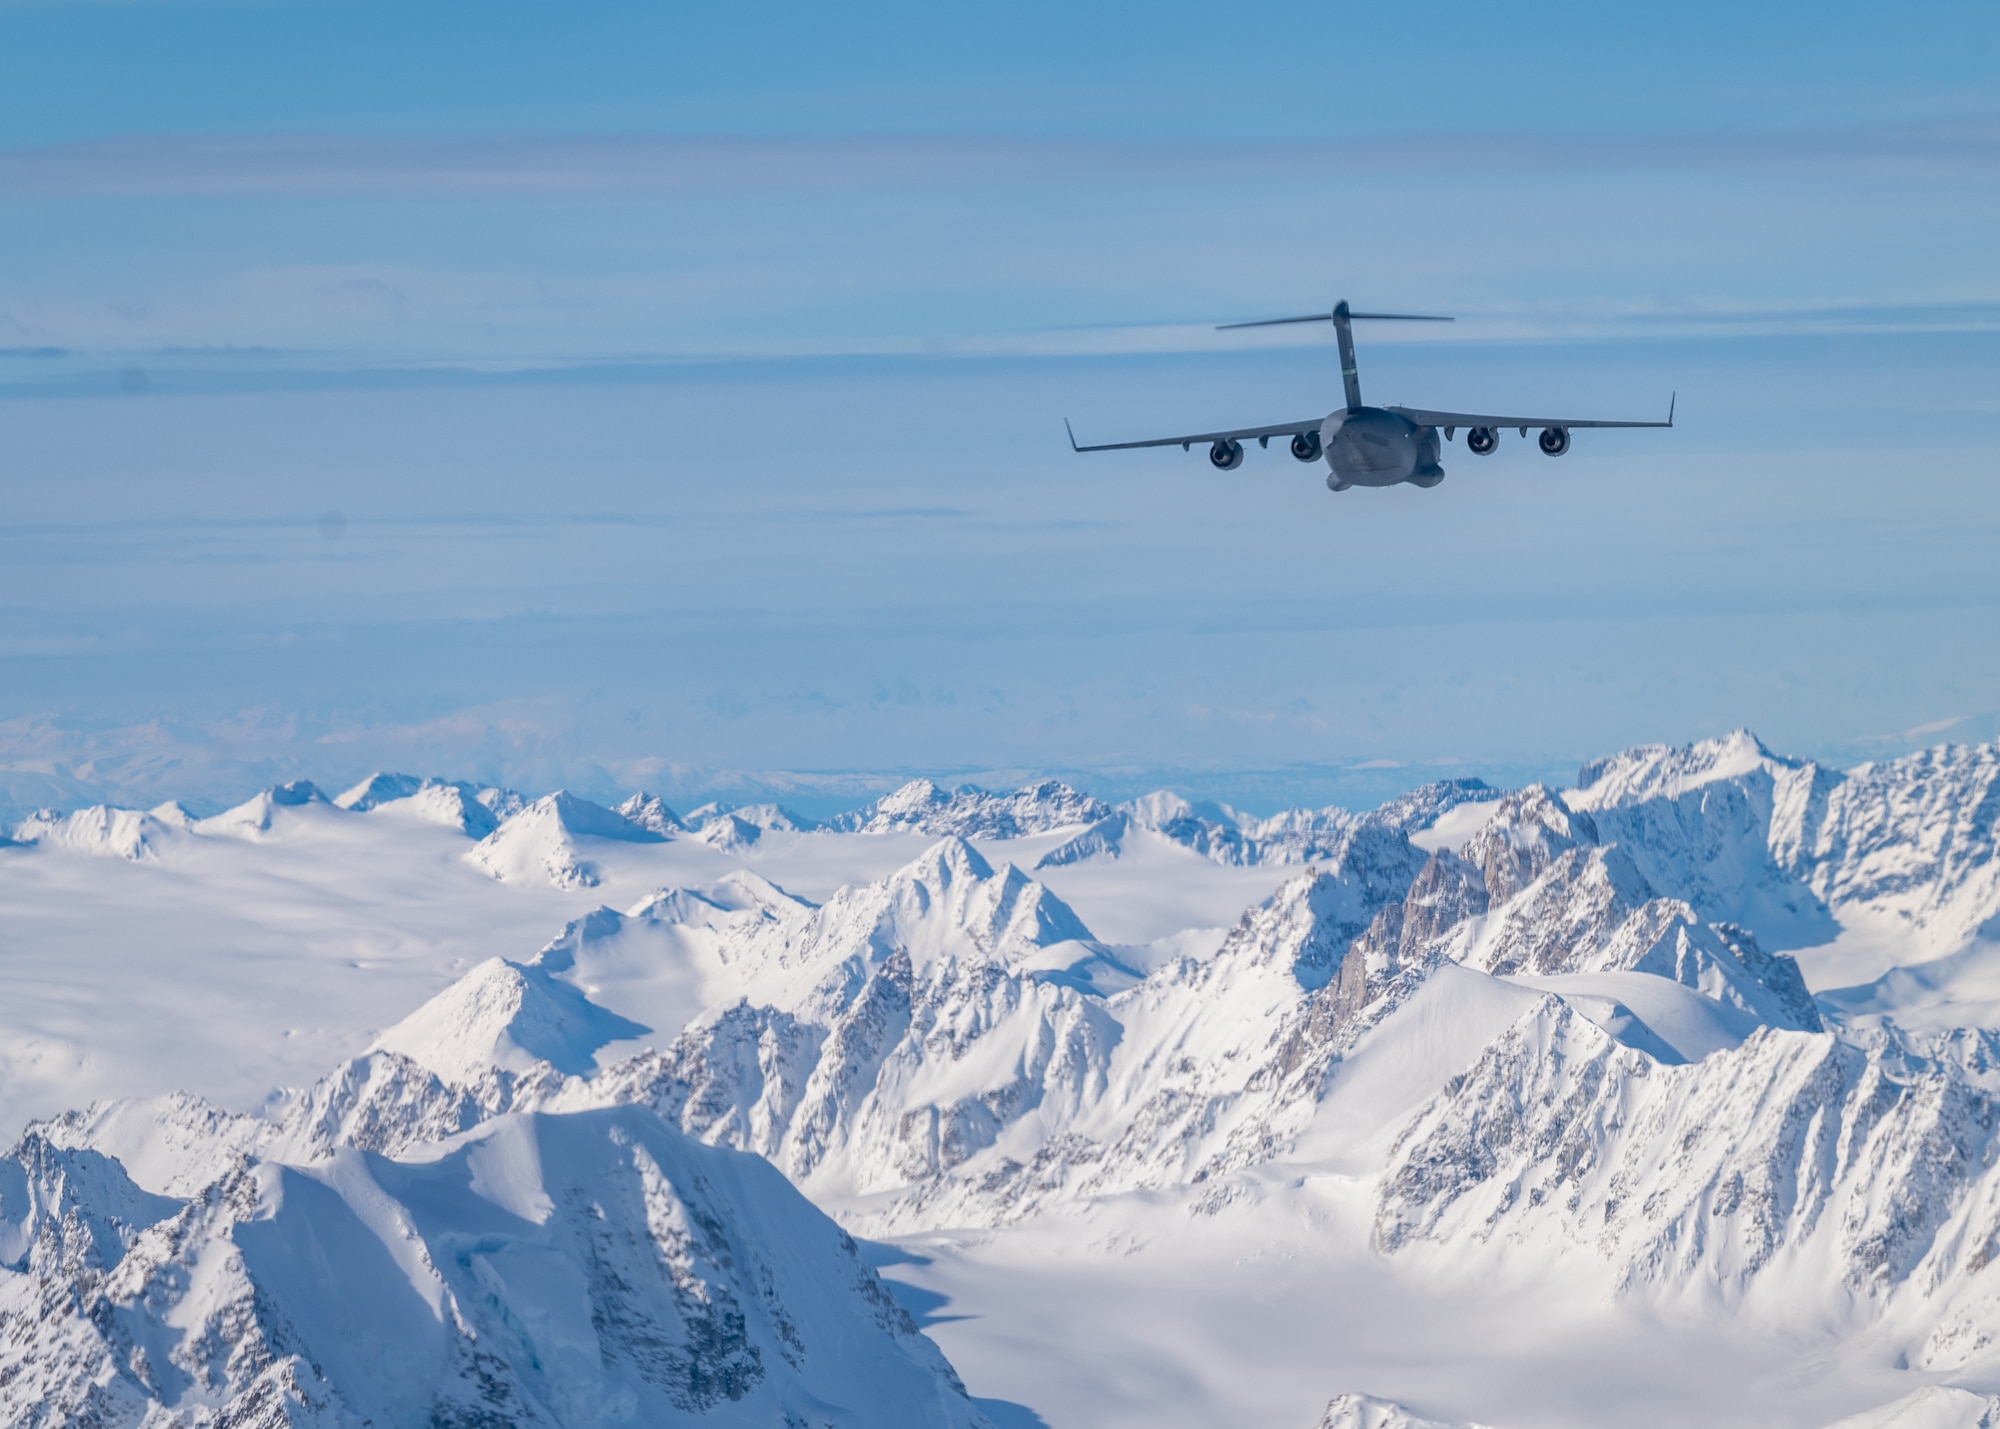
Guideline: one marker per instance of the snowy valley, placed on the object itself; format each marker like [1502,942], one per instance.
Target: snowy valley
[1677,1092]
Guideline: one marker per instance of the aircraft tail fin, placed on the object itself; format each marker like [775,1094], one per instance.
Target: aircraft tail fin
[1340,317]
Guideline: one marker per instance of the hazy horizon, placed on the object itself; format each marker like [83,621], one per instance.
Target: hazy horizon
[577,400]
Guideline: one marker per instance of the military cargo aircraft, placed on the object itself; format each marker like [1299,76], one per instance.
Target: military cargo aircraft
[1371,446]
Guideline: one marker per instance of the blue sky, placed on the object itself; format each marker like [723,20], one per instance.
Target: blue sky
[671,394]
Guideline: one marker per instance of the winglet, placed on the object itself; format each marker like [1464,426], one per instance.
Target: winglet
[1670,410]
[1072,436]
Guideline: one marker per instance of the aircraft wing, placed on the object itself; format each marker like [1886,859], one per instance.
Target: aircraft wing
[1476,419]
[1242,434]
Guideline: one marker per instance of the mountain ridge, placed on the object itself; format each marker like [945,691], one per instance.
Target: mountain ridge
[1559,1038]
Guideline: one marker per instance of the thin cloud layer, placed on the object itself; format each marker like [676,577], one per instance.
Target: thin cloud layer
[334,166]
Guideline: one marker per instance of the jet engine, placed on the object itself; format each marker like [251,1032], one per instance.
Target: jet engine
[1482,440]
[1555,440]
[1227,456]
[1305,446]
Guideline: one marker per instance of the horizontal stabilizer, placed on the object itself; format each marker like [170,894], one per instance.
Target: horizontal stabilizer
[1328,317]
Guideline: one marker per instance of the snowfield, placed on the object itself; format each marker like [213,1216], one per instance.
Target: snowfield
[1673,1097]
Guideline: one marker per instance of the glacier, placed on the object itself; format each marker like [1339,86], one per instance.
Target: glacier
[1699,1042]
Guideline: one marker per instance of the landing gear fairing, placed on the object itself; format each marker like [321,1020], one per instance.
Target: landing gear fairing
[1372,446]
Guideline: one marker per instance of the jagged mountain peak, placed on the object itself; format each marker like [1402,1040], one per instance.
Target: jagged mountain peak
[925,1053]
[1365,1411]
[714,904]
[647,811]
[765,817]
[540,1270]
[473,809]
[1427,803]
[259,813]
[558,954]
[1163,807]
[948,907]
[378,788]
[1305,928]
[1792,1154]
[1917,838]
[949,898]
[539,843]
[1591,912]
[1529,830]
[1656,771]
[1292,836]
[60,1203]
[103,830]
[1212,831]
[922,806]
[945,862]
[577,815]
[172,815]
[506,1016]
[733,830]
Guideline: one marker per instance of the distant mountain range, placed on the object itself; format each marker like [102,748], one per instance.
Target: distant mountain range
[1538,1028]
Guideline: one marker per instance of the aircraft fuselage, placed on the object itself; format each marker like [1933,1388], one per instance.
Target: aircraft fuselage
[1370,446]
[1374,447]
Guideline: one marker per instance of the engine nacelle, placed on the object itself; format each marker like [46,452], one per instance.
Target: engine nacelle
[1305,446]
[1226,456]
[1482,441]
[1555,440]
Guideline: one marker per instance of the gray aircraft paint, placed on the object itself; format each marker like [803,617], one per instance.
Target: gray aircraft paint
[1371,446]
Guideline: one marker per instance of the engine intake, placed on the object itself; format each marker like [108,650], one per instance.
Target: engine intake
[1305,446]
[1482,440]
[1226,456]
[1555,440]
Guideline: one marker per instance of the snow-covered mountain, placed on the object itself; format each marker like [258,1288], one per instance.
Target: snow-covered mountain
[1480,1038]
[1364,1411]
[1293,836]
[590,1269]
[646,811]
[737,828]
[549,841]
[506,1016]
[1782,844]
[472,809]
[971,812]
[259,814]
[104,831]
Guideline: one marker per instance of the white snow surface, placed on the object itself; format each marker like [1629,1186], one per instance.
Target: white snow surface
[1364,1411]
[1671,1098]
[590,1269]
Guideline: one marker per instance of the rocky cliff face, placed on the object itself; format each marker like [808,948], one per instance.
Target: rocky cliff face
[1599,1054]
[596,1268]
